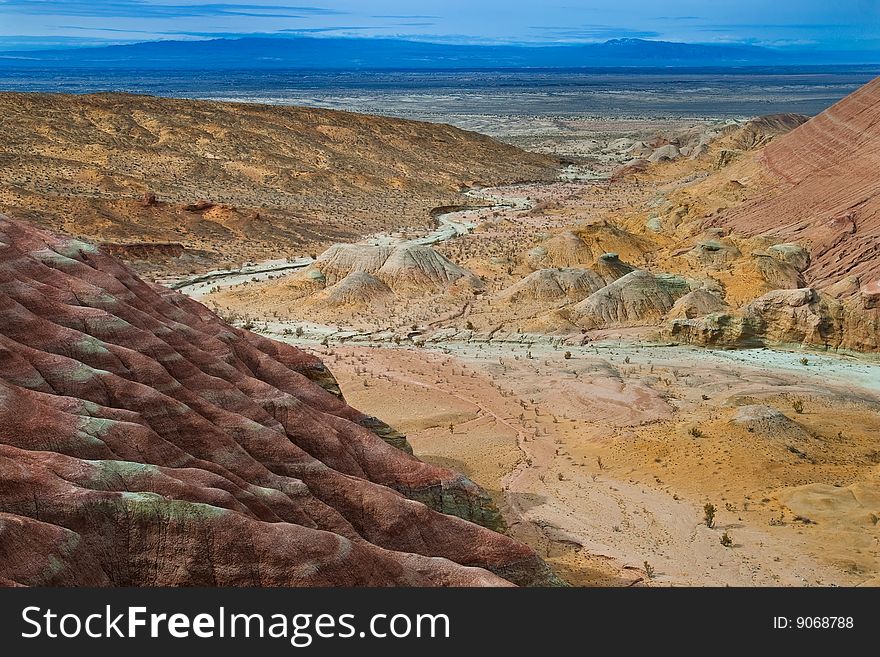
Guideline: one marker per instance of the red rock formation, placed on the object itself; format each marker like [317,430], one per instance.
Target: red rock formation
[145,442]
[826,190]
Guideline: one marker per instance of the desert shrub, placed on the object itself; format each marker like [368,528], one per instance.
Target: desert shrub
[709,515]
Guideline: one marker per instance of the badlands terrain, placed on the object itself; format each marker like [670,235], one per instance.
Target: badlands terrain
[649,352]
[147,443]
[186,184]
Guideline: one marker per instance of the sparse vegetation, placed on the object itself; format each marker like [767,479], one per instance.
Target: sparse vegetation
[696,432]
[726,540]
[709,515]
[649,570]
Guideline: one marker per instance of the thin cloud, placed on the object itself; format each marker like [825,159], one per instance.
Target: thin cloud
[319,30]
[143,9]
[405,16]
[592,32]
[771,26]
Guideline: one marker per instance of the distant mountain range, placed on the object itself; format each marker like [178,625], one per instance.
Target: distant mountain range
[373,53]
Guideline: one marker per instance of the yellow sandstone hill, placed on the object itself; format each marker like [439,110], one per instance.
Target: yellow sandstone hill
[192,183]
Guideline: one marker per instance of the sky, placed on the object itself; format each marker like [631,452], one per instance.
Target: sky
[813,24]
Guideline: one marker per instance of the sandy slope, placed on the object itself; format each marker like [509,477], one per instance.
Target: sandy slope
[824,190]
[594,464]
[230,182]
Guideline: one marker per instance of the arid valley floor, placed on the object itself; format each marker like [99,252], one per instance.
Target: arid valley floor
[658,356]
[603,446]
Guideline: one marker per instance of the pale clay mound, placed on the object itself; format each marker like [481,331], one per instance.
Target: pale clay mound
[768,422]
[357,289]
[340,260]
[567,283]
[586,245]
[405,269]
[637,299]
[554,285]
[415,268]
[699,303]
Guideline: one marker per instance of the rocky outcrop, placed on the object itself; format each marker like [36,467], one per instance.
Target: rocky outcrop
[726,142]
[145,442]
[664,153]
[637,299]
[610,267]
[793,254]
[760,131]
[778,273]
[720,329]
[870,295]
[144,250]
[630,169]
[715,254]
[566,249]
[788,317]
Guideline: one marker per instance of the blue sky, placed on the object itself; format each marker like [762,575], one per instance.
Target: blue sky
[825,24]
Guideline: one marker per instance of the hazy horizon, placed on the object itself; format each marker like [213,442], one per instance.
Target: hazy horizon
[787,25]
